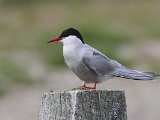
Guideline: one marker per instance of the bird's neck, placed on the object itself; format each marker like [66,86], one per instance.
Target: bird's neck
[71,47]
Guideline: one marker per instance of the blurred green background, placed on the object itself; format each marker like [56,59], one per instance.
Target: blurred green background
[109,26]
[127,31]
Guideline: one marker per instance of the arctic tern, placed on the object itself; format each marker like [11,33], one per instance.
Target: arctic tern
[92,66]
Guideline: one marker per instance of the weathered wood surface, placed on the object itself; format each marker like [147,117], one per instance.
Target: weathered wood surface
[83,105]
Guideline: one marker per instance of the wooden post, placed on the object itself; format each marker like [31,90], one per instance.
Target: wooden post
[83,105]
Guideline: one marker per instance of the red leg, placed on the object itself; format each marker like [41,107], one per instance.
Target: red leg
[95,83]
[84,86]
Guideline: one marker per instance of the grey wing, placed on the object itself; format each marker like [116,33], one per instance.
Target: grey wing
[98,64]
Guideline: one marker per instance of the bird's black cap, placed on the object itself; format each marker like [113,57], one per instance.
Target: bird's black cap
[71,31]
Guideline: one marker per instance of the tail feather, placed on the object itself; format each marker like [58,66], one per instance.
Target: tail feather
[134,74]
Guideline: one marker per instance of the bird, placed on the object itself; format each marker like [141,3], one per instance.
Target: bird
[91,65]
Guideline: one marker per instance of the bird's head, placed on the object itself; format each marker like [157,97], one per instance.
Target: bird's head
[68,35]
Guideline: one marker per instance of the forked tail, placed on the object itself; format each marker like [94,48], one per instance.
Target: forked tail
[134,74]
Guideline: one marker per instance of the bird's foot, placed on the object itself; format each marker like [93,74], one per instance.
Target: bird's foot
[81,88]
[87,88]
[84,87]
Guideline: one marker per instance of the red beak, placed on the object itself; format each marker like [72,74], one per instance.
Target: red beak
[54,39]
